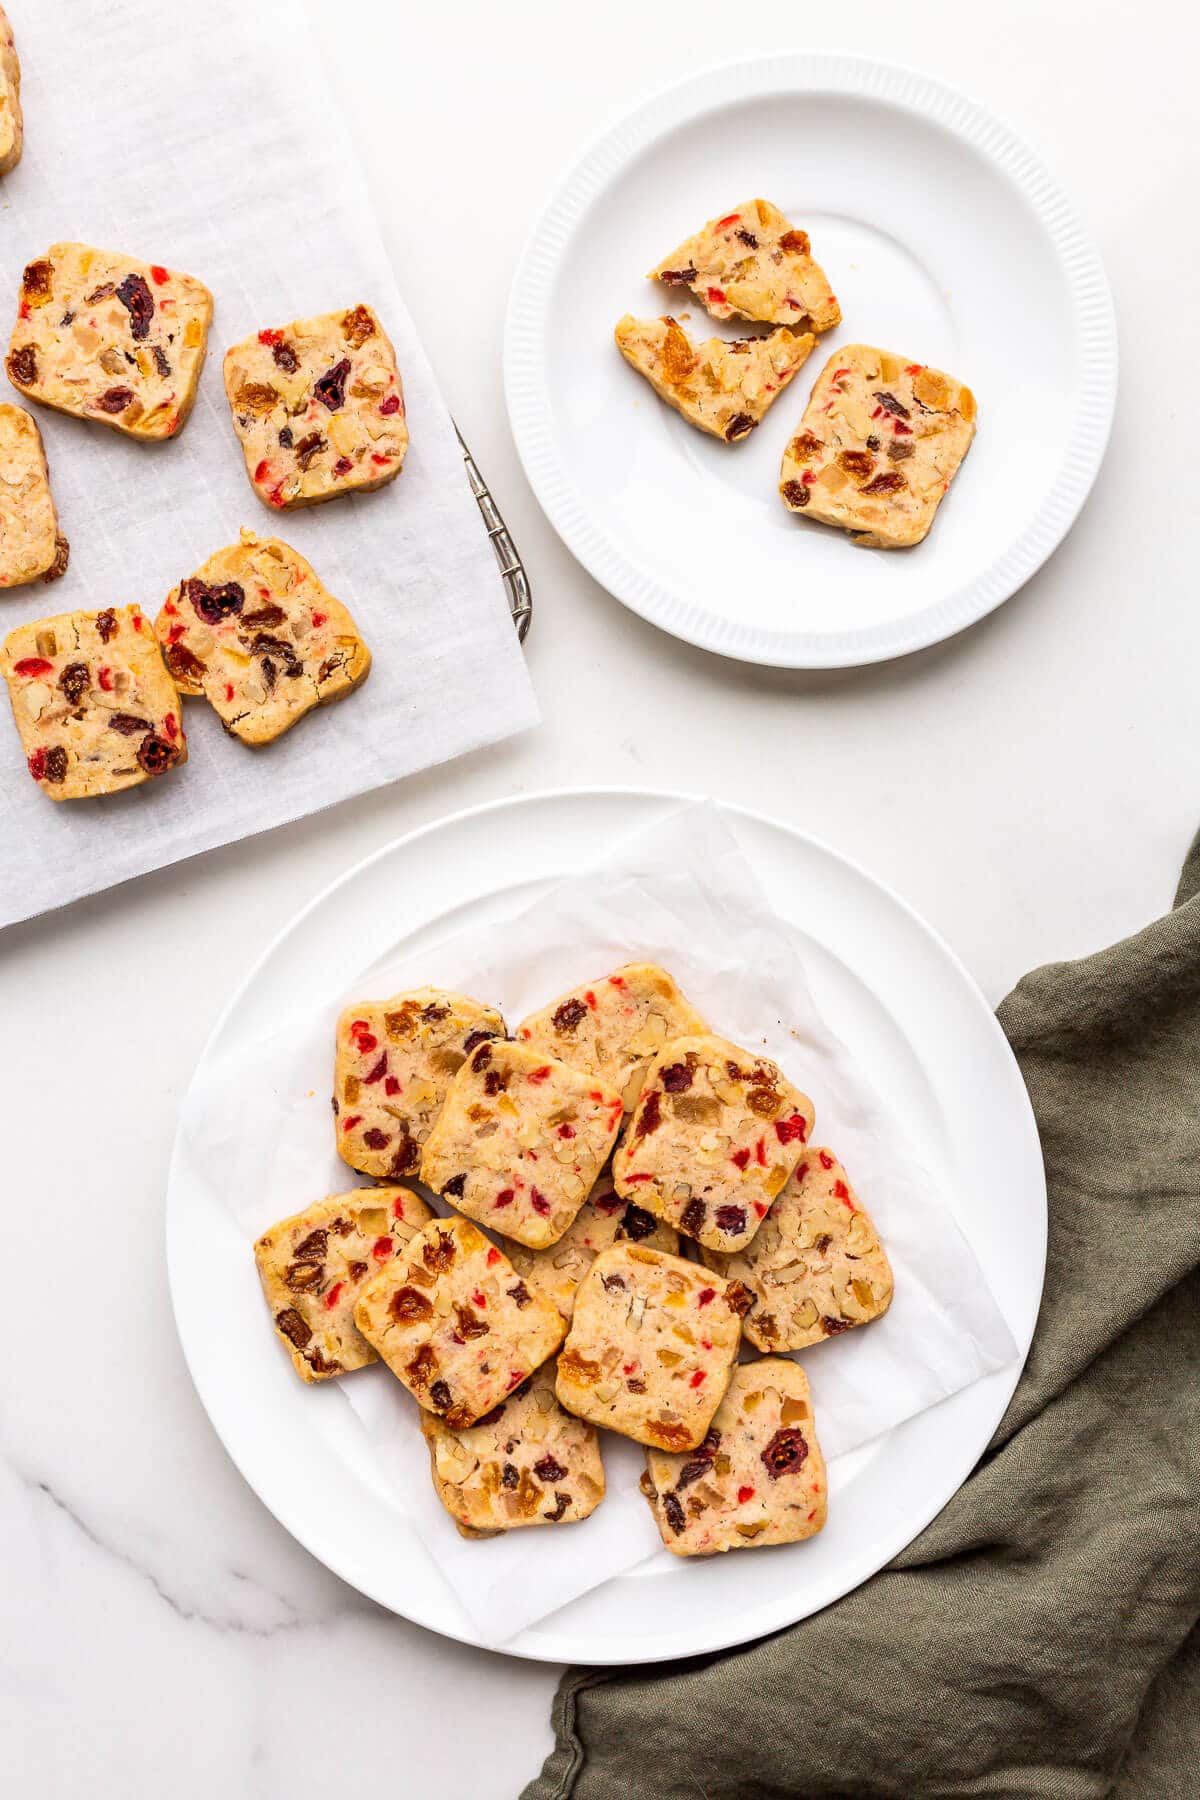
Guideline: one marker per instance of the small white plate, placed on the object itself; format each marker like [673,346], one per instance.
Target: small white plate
[946,241]
[918,1028]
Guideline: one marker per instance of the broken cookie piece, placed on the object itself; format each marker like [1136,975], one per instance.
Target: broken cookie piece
[394,1062]
[613,1026]
[453,1321]
[817,1267]
[714,1137]
[604,1219]
[879,444]
[527,1462]
[256,633]
[30,541]
[652,1342]
[12,129]
[110,339]
[724,388]
[759,1476]
[94,704]
[314,1266]
[319,408]
[520,1141]
[753,263]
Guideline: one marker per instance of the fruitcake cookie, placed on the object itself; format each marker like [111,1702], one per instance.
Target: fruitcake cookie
[716,1134]
[520,1141]
[724,388]
[394,1063]
[753,264]
[880,442]
[816,1267]
[314,1266]
[318,407]
[651,1346]
[255,633]
[454,1322]
[528,1462]
[12,130]
[95,707]
[603,1220]
[758,1477]
[30,541]
[109,338]
[613,1027]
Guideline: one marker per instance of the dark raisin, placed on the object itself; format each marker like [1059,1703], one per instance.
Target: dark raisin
[509,1477]
[314,1244]
[786,1452]
[293,1327]
[470,1325]
[834,1327]
[613,1283]
[454,1187]
[636,1223]
[62,555]
[155,754]
[357,1270]
[160,361]
[135,296]
[285,358]
[407,1155]
[481,1058]
[731,1219]
[106,624]
[212,604]
[548,1469]
[439,1393]
[115,399]
[184,665]
[495,1082]
[872,442]
[476,1038]
[890,404]
[128,724]
[740,426]
[567,1016]
[635,1385]
[55,766]
[376,1139]
[318,1363]
[22,365]
[746,237]
[285,437]
[674,1513]
[330,390]
[520,1294]
[887,483]
[265,615]
[738,1298]
[898,451]
[408,1304]
[302,1276]
[692,1219]
[265,645]
[823,1243]
[99,293]
[308,447]
[358,326]
[35,282]
[269,674]
[677,277]
[650,1116]
[795,493]
[74,682]
[438,1252]
[561,1503]
[68,318]
[433,1012]
[677,1078]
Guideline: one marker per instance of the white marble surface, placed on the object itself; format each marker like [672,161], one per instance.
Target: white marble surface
[1030,786]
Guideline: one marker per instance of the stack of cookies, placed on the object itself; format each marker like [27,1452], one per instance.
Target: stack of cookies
[582,1155]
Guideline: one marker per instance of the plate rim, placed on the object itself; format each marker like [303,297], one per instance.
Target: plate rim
[527,395]
[525,1645]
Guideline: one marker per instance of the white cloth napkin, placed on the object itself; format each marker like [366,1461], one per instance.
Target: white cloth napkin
[256,1125]
[206,138]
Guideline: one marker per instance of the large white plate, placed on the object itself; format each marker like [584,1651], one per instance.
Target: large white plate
[919,1028]
[945,239]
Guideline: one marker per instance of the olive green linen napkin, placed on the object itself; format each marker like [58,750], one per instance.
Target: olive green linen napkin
[1041,1636]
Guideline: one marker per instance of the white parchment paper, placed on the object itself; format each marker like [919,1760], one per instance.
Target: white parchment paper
[256,1126]
[206,138]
